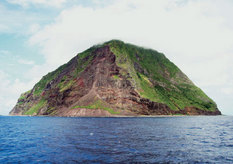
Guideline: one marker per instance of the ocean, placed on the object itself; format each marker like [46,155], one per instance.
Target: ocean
[181,139]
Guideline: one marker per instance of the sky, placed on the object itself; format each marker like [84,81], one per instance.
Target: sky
[37,36]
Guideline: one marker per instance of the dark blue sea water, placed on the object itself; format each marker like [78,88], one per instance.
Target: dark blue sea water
[200,139]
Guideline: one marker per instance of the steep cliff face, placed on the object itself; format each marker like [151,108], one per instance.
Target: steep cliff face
[115,78]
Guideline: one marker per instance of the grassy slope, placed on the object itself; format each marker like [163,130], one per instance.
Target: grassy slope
[65,83]
[40,86]
[97,105]
[176,96]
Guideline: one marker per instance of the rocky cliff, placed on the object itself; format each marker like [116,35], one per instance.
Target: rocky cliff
[113,79]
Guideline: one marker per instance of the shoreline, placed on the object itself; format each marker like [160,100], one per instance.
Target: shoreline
[117,116]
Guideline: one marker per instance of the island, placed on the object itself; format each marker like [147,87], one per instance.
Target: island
[115,79]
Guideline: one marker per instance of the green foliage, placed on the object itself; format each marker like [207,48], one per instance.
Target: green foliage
[23,96]
[20,103]
[36,107]
[51,111]
[154,75]
[83,60]
[153,62]
[65,84]
[147,90]
[40,86]
[116,77]
[97,105]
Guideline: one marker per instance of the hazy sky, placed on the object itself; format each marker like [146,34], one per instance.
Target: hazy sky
[37,36]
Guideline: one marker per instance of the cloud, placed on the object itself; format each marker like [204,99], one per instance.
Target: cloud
[227,91]
[3,27]
[4,52]
[22,21]
[10,20]
[26,62]
[34,28]
[27,3]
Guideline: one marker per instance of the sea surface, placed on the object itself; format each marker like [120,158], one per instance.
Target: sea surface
[197,139]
